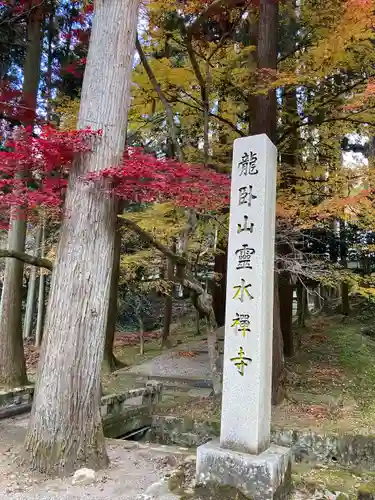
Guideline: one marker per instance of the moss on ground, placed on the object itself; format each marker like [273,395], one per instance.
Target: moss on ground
[349,481]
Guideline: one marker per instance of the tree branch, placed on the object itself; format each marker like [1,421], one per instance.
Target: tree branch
[27,259]
[148,238]
[213,115]
[201,299]
[164,101]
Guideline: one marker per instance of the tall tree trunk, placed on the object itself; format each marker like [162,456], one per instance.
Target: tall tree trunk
[265,105]
[66,433]
[278,372]
[110,362]
[214,355]
[264,121]
[288,180]
[286,314]
[31,290]
[12,361]
[220,286]
[41,291]
[301,304]
[168,305]
[141,333]
[345,305]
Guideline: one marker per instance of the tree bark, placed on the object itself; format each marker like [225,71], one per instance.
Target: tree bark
[141,334]
[220,287]
[110,362]
[264,120]
[168,306]
[286,313]
[31,291]
[65,430]
[41,292]
[265,105]
[278,372]
[345,305]
[301,304]
[12,361]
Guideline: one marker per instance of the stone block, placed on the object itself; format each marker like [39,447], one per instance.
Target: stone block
[152,394]
[266,476]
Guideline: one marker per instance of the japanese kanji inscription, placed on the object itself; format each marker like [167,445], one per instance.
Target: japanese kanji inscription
[247,363]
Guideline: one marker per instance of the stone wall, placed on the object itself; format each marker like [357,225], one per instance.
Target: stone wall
[307,446]
[121,413]
[17,396]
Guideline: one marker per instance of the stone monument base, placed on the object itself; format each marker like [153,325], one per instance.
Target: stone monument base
[259,477]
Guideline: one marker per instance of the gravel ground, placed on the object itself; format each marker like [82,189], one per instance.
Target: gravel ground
[134,468]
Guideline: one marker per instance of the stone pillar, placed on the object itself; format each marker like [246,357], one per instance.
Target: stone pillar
[244,458]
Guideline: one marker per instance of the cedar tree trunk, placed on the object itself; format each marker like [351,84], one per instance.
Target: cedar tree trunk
[168,304]
[65,430]
[12,361]
[31,291]
[264,121]
[219,289]
[286,314]
[41,292]
[110,362]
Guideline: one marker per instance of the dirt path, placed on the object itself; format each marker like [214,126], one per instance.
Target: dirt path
[134,468]
[189,360]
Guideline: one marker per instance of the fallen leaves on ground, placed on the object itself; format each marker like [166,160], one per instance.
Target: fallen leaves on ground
[185,354]
[132,338]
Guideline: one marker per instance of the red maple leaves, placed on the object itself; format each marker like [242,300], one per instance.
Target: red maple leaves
[143,178]
[45,158]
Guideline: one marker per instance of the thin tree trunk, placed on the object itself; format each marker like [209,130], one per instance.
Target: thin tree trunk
[301,304]
[31,290]
[214,354]
[12,361]
[345,305]
[41,307]
[110,362]
[306,310]
[41,292]
[220,286]
[51,21]
[197,323]
[168,307]
[286,314]
[278,373]
[206,116]
[65,430]
[317,299]
[141,334]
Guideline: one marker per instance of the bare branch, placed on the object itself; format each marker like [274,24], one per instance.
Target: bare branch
[27,259]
